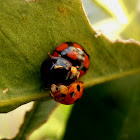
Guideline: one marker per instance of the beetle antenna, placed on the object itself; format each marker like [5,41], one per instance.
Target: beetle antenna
[50,54]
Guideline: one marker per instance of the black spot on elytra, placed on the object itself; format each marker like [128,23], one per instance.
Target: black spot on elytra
[84,68]
[78,87]
[72,94]
[57,88]
[63,95]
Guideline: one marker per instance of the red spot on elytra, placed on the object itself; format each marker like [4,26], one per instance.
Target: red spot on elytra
[62,47]
[55,54]
[77,46]
[86,61]
[81,73]
[73,55]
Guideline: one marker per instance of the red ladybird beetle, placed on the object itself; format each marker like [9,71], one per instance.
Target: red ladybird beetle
[67,94]
[57,70]
[75,54]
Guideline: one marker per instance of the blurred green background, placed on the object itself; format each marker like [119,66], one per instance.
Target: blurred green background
[109,111]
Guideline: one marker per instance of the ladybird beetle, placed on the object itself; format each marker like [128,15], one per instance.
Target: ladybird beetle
[67,94]
[57,70]
[75,54]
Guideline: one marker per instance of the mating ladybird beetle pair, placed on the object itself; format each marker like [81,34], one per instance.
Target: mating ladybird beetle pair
[62,69]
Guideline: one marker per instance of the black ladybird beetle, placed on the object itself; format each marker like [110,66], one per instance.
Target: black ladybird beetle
[57,70]
[75,54]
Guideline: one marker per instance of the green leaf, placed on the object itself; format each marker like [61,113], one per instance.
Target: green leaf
[35,118]
[131,6]
[55,127]
[103,7]
[114,9]
[134,24]
[95,12]
[29,30]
